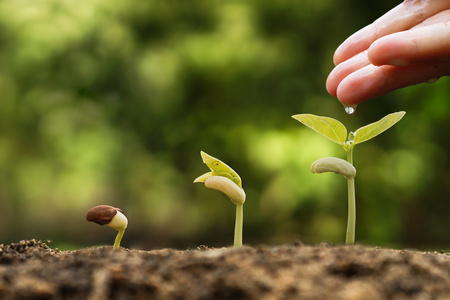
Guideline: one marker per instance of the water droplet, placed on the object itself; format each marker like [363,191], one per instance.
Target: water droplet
[350,110]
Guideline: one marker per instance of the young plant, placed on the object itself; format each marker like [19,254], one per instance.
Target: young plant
[336,131]
[109,216]
[225,179]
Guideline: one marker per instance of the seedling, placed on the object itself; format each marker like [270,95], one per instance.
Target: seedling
[336,131]
[225,179]
[109,216]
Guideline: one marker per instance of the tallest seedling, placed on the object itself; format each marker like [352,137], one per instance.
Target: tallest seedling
[336,131]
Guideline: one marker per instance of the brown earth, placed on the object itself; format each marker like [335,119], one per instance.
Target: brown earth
[32,270]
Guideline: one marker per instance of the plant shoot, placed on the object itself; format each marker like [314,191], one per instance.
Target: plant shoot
[110,216]
[226,180]
[336,131]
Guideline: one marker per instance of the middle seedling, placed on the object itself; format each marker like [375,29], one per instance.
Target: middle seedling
[225,179]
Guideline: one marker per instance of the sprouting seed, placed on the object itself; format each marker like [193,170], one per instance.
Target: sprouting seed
[109,216]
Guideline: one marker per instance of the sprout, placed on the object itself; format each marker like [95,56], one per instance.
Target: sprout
[109,216]
[227,181]
[336,131]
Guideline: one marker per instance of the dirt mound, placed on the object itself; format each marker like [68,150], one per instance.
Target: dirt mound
[32,270]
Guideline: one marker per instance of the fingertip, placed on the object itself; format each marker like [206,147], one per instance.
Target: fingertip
[359,86]
[388,50]
[344,69]
[354,44]
[376,53]
[337,56]
[342,53]
[346,94]
[331,85]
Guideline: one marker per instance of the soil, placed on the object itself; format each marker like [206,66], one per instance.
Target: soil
[32,270]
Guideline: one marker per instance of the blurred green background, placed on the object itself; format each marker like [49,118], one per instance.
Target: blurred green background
[110,102]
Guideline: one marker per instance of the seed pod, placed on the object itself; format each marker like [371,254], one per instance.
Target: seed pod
[109,216]
[226,186]
[333,164]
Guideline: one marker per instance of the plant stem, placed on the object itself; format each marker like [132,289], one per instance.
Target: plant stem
[238,225]
[351,221]
[118,239]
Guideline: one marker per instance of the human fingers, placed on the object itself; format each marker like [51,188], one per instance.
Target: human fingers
[425,43]
[441,17]
[373,81]
[390,49]
[344,69]
[402,17]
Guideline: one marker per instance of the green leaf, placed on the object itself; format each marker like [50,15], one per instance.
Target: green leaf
[203,177]
[219,168]
[372,130]
[328,127]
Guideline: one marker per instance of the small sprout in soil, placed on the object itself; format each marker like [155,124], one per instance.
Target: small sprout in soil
[225,179]
[109,216]
[336,131]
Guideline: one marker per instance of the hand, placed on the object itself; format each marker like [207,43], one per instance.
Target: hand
[408,45]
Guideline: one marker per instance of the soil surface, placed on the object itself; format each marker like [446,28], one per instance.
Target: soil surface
[32,270]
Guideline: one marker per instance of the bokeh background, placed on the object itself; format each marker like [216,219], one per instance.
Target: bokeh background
[111,102]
